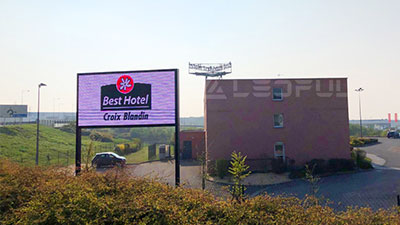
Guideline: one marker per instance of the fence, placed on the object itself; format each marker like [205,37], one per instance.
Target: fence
[49,123]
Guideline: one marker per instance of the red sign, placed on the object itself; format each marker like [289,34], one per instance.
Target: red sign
[390,118]
[395,117]
[125,84]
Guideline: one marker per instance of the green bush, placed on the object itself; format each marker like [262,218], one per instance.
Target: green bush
[70,128]
[340,165]
[297,173]
[365,164]
[319,166]
[278,166]
[360,158]
[33,195]
[359,142]
[128,148]
[221,166]
[100,136]
[367,131]
[239,171]
[8,131]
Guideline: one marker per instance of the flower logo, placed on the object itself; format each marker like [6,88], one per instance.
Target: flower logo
[125,84]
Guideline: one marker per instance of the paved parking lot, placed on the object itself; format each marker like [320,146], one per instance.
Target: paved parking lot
[388,149]
[376,188]
[164,171]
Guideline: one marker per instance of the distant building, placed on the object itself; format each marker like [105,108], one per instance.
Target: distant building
[192,143]
[46,118]
[294,120]
[382,124]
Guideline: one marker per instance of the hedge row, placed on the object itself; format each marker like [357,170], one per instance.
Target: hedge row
[359,142]
[49,196]
[128,148]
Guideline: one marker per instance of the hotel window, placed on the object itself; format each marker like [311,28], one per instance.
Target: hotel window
[279,150]
[277,94]
[278,120]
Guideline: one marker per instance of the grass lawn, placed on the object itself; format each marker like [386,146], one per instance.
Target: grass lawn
[139,156]
[18,143]
[142,155]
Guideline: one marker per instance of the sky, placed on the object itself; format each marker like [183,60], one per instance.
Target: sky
[52,41]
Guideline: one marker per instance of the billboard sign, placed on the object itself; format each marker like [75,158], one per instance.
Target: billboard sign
[128,99]
[13,111]
[133,98]
[210,69]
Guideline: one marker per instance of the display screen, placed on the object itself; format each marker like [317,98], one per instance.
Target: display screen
[127,98]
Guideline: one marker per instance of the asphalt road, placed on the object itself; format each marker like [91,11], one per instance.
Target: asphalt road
[375,188]
[387,149]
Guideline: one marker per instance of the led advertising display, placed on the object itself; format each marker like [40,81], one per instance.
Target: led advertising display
[136,98]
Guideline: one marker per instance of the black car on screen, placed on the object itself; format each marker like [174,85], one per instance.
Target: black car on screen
[393,134]
[108,159]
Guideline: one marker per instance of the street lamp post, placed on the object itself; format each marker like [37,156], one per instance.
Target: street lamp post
[359,90]
[37,124]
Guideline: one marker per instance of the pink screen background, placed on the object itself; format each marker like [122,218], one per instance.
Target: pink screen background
[162,99]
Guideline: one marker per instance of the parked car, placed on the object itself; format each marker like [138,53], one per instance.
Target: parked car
[393,134]
[108,159]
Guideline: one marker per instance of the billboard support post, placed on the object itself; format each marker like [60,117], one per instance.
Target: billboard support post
[78,152]
[177,130]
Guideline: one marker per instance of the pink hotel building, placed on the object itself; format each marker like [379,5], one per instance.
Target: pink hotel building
[290,119]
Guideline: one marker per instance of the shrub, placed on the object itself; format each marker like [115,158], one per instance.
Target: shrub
[100,136]
[291,164]
[278,166]
[8,131]
[221,166]
[337,165]
[312,179]
[239,171]
[297,173]
[69,128]
[33,195]
[360,158]
[318,166]
[365,164]
[359,142]
[128,148]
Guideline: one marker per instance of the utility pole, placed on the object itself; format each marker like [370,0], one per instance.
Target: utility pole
[359,90]
[37,124]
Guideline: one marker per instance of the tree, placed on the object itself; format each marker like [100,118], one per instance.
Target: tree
[203,160]
[312,179]
[239,172]
[89,155]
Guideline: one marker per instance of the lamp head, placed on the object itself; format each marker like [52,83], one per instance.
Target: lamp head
[359,89]
[42,84]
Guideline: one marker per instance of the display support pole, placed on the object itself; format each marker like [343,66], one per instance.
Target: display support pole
[177,130]
[78,151]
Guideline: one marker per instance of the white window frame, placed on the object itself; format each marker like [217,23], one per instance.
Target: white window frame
[283,150]
[273,96]
[280,126]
